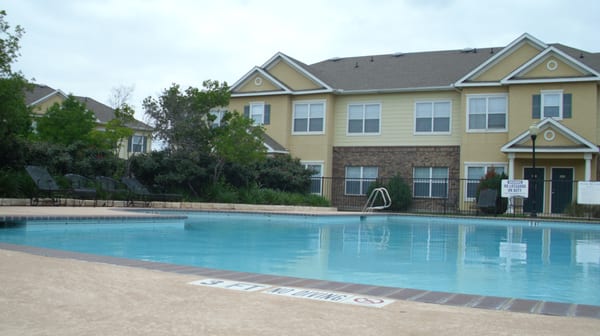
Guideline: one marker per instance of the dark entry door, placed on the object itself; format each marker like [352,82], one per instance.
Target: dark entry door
[562,189]
[539,190]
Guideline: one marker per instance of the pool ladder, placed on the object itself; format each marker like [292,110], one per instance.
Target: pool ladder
[385,197]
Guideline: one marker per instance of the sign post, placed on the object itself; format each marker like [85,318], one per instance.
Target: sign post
[512,189]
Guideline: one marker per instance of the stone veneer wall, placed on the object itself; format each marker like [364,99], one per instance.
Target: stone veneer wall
[401,160]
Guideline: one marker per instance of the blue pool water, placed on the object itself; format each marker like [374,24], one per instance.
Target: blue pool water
[550,262]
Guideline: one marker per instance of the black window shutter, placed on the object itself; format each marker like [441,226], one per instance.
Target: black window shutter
[129,142]
[267,117]
[567,103]
[247,111]
[536,106]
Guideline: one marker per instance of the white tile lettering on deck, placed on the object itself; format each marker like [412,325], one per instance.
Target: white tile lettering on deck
[301,293]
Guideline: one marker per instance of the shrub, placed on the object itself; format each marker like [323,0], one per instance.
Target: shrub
[399,191]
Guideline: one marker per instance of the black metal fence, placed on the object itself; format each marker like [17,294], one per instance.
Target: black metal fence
[555,198]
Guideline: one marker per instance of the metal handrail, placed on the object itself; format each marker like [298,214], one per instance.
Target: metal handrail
[385,196]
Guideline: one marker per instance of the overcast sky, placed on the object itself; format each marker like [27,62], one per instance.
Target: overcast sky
[89,47]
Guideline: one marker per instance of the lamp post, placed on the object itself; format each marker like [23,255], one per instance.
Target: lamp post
[533,131]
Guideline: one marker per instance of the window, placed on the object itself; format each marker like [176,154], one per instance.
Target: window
[430,182]
[358,179]
[259,112]
[309,117]
[218,114]
[364,118]
[137,144]
[476,172]
[432,117]
[487,112]
[317,177]
[552,104]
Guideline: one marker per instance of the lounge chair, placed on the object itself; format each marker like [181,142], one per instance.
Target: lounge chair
[46,186]
[82,188]
[139,192]
[487,201]
[112,188]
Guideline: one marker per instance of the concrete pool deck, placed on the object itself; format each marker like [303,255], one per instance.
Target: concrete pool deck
[66,296]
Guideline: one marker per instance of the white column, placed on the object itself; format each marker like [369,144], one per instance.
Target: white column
[588,166]
[511,166]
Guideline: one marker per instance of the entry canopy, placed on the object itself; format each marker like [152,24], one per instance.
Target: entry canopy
[574,143]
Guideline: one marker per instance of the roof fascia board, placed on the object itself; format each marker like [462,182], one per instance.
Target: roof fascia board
[300,69]
[277,93]
[397,90]
[561,128]
[263,73]
[543,55]
[471,84]
[496,58]
[48,96]
[551,80]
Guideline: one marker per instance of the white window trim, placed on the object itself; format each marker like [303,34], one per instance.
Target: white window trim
[262,119]
[363,133]
[415,132]
[321,101]
[431,182]
[486,166]
[315,163]
[144,143]
[486,130]
[560,103]
[359,179]
[218,113]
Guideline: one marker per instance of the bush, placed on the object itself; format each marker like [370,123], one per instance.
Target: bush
[491,180]
[582,210]
[399,191]
[16,184]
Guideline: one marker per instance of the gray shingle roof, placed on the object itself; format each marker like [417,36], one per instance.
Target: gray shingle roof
[102,112]
[37,92]
[400,71]
[415,70]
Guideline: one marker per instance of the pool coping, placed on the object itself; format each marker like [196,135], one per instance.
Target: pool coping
[514,305]
[407,294]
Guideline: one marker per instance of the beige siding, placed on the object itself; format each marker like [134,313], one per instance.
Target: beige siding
[46,104]
[252,84]
[584,108]
[562,70]
[508,64]
[291,77]
[397,120]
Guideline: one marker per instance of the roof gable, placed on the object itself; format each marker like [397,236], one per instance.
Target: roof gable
[552,65]
[283,75]
[564,140]
[252,83]
[512,56]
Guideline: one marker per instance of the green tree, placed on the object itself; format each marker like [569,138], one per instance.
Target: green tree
[237,141]
[15,123]
[67,123]
[181,118]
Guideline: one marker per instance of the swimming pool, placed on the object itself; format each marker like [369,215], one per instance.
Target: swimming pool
[520,259]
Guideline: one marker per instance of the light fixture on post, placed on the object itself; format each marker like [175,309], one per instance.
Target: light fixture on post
[533,132]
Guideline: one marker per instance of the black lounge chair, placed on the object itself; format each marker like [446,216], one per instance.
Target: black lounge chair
[139,192]
[46,186]
[112,188]
[487,201]
[82,188]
